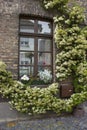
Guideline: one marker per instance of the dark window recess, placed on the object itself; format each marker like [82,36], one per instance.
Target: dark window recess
[35,45]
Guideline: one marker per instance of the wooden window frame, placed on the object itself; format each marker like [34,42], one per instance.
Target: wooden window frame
[36,36]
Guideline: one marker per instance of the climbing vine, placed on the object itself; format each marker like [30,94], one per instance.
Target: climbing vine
[36,100]
[55,4]
[71,42]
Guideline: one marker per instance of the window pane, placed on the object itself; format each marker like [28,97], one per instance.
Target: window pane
[27,44]
[26,71]
[44,27]
[44,45]
[42,68]
[26,58]
[27,25]
[44,58]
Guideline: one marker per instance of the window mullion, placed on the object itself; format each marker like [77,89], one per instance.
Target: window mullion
[36,56]
[36,50]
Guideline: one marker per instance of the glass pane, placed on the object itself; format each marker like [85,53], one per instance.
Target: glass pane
[26,58]
[42,68]
[26,71]
[44,45]
[44,27]
[44,58]
[27,25]
[27,44]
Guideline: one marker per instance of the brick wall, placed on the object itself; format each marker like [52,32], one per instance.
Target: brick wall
[9,27]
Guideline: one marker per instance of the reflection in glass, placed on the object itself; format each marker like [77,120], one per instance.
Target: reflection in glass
[27,25]
[44,59]
[44,45]
[26,58]
[27,44]
[26,70]
[44,27]
[42,68]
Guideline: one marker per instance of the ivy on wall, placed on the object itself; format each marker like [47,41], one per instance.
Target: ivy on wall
[35,100]
[71,42]
[55,4]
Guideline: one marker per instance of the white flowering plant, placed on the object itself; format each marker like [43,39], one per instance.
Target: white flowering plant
[45,76]
[25,79]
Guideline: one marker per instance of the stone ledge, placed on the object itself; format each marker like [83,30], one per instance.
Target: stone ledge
[8,114]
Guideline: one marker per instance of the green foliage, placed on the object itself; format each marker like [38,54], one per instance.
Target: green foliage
[72,45]
[36,100]
[55,4]
[6,80]
[76,15]
[80,80]
[71,41]
[2,66]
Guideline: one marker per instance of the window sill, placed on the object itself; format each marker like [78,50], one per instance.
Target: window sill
[40,86]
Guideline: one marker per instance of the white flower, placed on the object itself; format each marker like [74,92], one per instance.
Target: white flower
[45,75]
[25,77]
